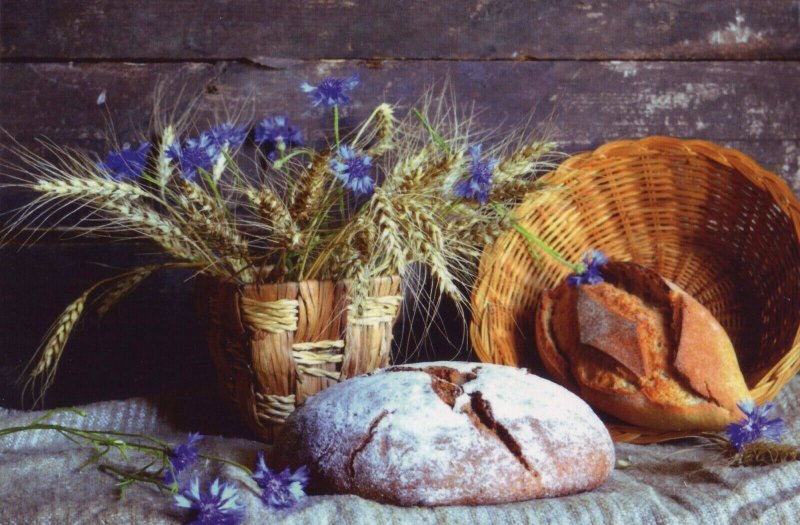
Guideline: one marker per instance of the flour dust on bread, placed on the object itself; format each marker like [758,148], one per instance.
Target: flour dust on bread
[448,433]
[639,348]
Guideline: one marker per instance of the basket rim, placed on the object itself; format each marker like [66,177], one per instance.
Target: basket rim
[372,280]
[777,189]
[742,163]
[256,286]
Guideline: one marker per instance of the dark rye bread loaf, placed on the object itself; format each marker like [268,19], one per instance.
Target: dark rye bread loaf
[638,347]
[448,434]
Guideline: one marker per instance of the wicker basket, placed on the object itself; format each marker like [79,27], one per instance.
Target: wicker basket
[274,345]
[708,218]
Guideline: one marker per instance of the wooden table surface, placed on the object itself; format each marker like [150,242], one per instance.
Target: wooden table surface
[593,71]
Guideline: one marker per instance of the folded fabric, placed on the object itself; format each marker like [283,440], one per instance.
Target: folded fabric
[677,482]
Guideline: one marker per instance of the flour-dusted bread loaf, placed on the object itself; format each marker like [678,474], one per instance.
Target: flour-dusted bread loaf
[639,348]
[448,434]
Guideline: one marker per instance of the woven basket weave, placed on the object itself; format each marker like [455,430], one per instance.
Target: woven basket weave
[275,345]
[708,218]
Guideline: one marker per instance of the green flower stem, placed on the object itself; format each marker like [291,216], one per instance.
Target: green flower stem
[534,241]
[282,151]
[96,437]
[126,478]
[336,124]
[49,414]
[104,440]
[278,164]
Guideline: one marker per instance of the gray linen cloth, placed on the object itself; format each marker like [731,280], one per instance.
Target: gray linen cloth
[680,482]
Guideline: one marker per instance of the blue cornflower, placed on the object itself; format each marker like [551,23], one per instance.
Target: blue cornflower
[277,135]
[281,490]
[331,91]
[755,425]
[353,170]
[181,458]
[195,154]
[219,506]
[593,261]
[479,182]
[127,163]
[233,136]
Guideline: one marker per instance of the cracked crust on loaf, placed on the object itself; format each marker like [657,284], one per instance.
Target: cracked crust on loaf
[448,433]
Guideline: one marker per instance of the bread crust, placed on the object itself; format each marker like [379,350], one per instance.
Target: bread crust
[448,434]
[641,349]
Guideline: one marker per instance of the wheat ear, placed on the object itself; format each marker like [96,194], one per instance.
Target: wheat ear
[274,214]
[430,243]
[210,221]
[389,238]
[122,201]
[765,453]
[385,124]
[310,189]
[122,287]
[52,347]
[165,232]
[163,167]
[434,173]
[90,189]
[526,160]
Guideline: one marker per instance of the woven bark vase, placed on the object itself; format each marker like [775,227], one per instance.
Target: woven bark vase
[274,345]
[708,218]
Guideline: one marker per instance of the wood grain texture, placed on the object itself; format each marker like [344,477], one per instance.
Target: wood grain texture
[415,29]
[593,70]
[751,106]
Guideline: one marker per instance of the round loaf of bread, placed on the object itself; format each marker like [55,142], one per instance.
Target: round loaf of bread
[448,433]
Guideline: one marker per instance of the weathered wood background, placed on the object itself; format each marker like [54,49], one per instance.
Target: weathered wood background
[726,71]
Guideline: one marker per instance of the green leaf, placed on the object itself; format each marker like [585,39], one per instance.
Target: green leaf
[122,447]
[233,166]
[433,133]
[152,180]
[534,241]
[210,180]
[51,413]
[336,124]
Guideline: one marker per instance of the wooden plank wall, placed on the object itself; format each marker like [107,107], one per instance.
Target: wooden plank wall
[725,71]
